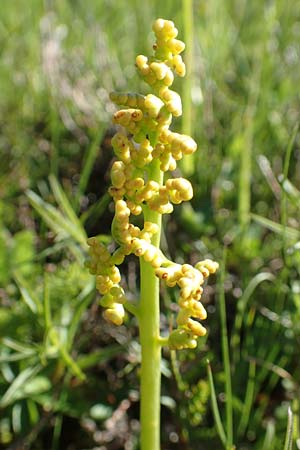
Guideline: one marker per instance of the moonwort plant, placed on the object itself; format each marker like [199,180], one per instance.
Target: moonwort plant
[146,150]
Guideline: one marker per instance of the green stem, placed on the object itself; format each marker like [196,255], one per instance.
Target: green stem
[149,338]
[226,359]
[244,198]
[187,10]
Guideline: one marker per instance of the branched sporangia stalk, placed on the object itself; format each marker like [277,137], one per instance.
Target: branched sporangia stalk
[146,149]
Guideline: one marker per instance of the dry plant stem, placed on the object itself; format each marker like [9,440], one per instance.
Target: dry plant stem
[149,338]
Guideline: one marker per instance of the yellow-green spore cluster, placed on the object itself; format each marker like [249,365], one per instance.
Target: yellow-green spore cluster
[143,140]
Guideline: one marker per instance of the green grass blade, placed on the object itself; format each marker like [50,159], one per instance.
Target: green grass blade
[248,402]
[215,408]
[6,358]
[96,210]
[246,150]
[47,308]
[290,190]
[289,431]
[55,134]
[16,418]
[99,356]
[64,203]
[276,227]
[181,384]
[241,307]
[55,220]
[289,149]
[17,346]
[89,161]
[28,295]
[21,351]
[15,390]
[77,316]
[283,203]
[225,354]
[268,443]
[65,356]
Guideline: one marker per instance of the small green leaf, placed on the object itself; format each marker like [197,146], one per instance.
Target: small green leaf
[28,295]
[292,192]
[289,431]
[36,386]
[276,227]
[15,391]
[215,408]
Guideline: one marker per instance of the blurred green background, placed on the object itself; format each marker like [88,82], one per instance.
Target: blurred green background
[69,380]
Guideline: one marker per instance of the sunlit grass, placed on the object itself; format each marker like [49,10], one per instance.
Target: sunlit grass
[54,118]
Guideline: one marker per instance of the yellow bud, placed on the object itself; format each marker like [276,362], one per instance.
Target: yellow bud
[169,78]
[188,145]
[118,256]
[158,25]
[186,292]
[151,227]
[206,267]
[118,294]
[199,311]
[136,183]
[117,174]
[114,275]
[172,101]
[121,208]
[179,189]
[160,69]
[170,29]
[120,98]
[153,105]
[184,282]
[107,300]
[196,327]
[183,316]
[150,253]
[156,261]
[181,338]
[103,284]
[142,64]
[164,209]
[135,209]
[135,101]
[176,46]
[126,117]
[164,29]
[115,314]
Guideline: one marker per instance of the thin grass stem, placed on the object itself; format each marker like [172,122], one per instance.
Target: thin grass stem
[89,162]
[250,389]
[289,431]
[225,354]
[187,10]
[283,203]
[215,408]
[268,443]
[241,308]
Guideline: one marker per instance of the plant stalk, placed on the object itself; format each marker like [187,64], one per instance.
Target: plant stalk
[149,338]
[187,11]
